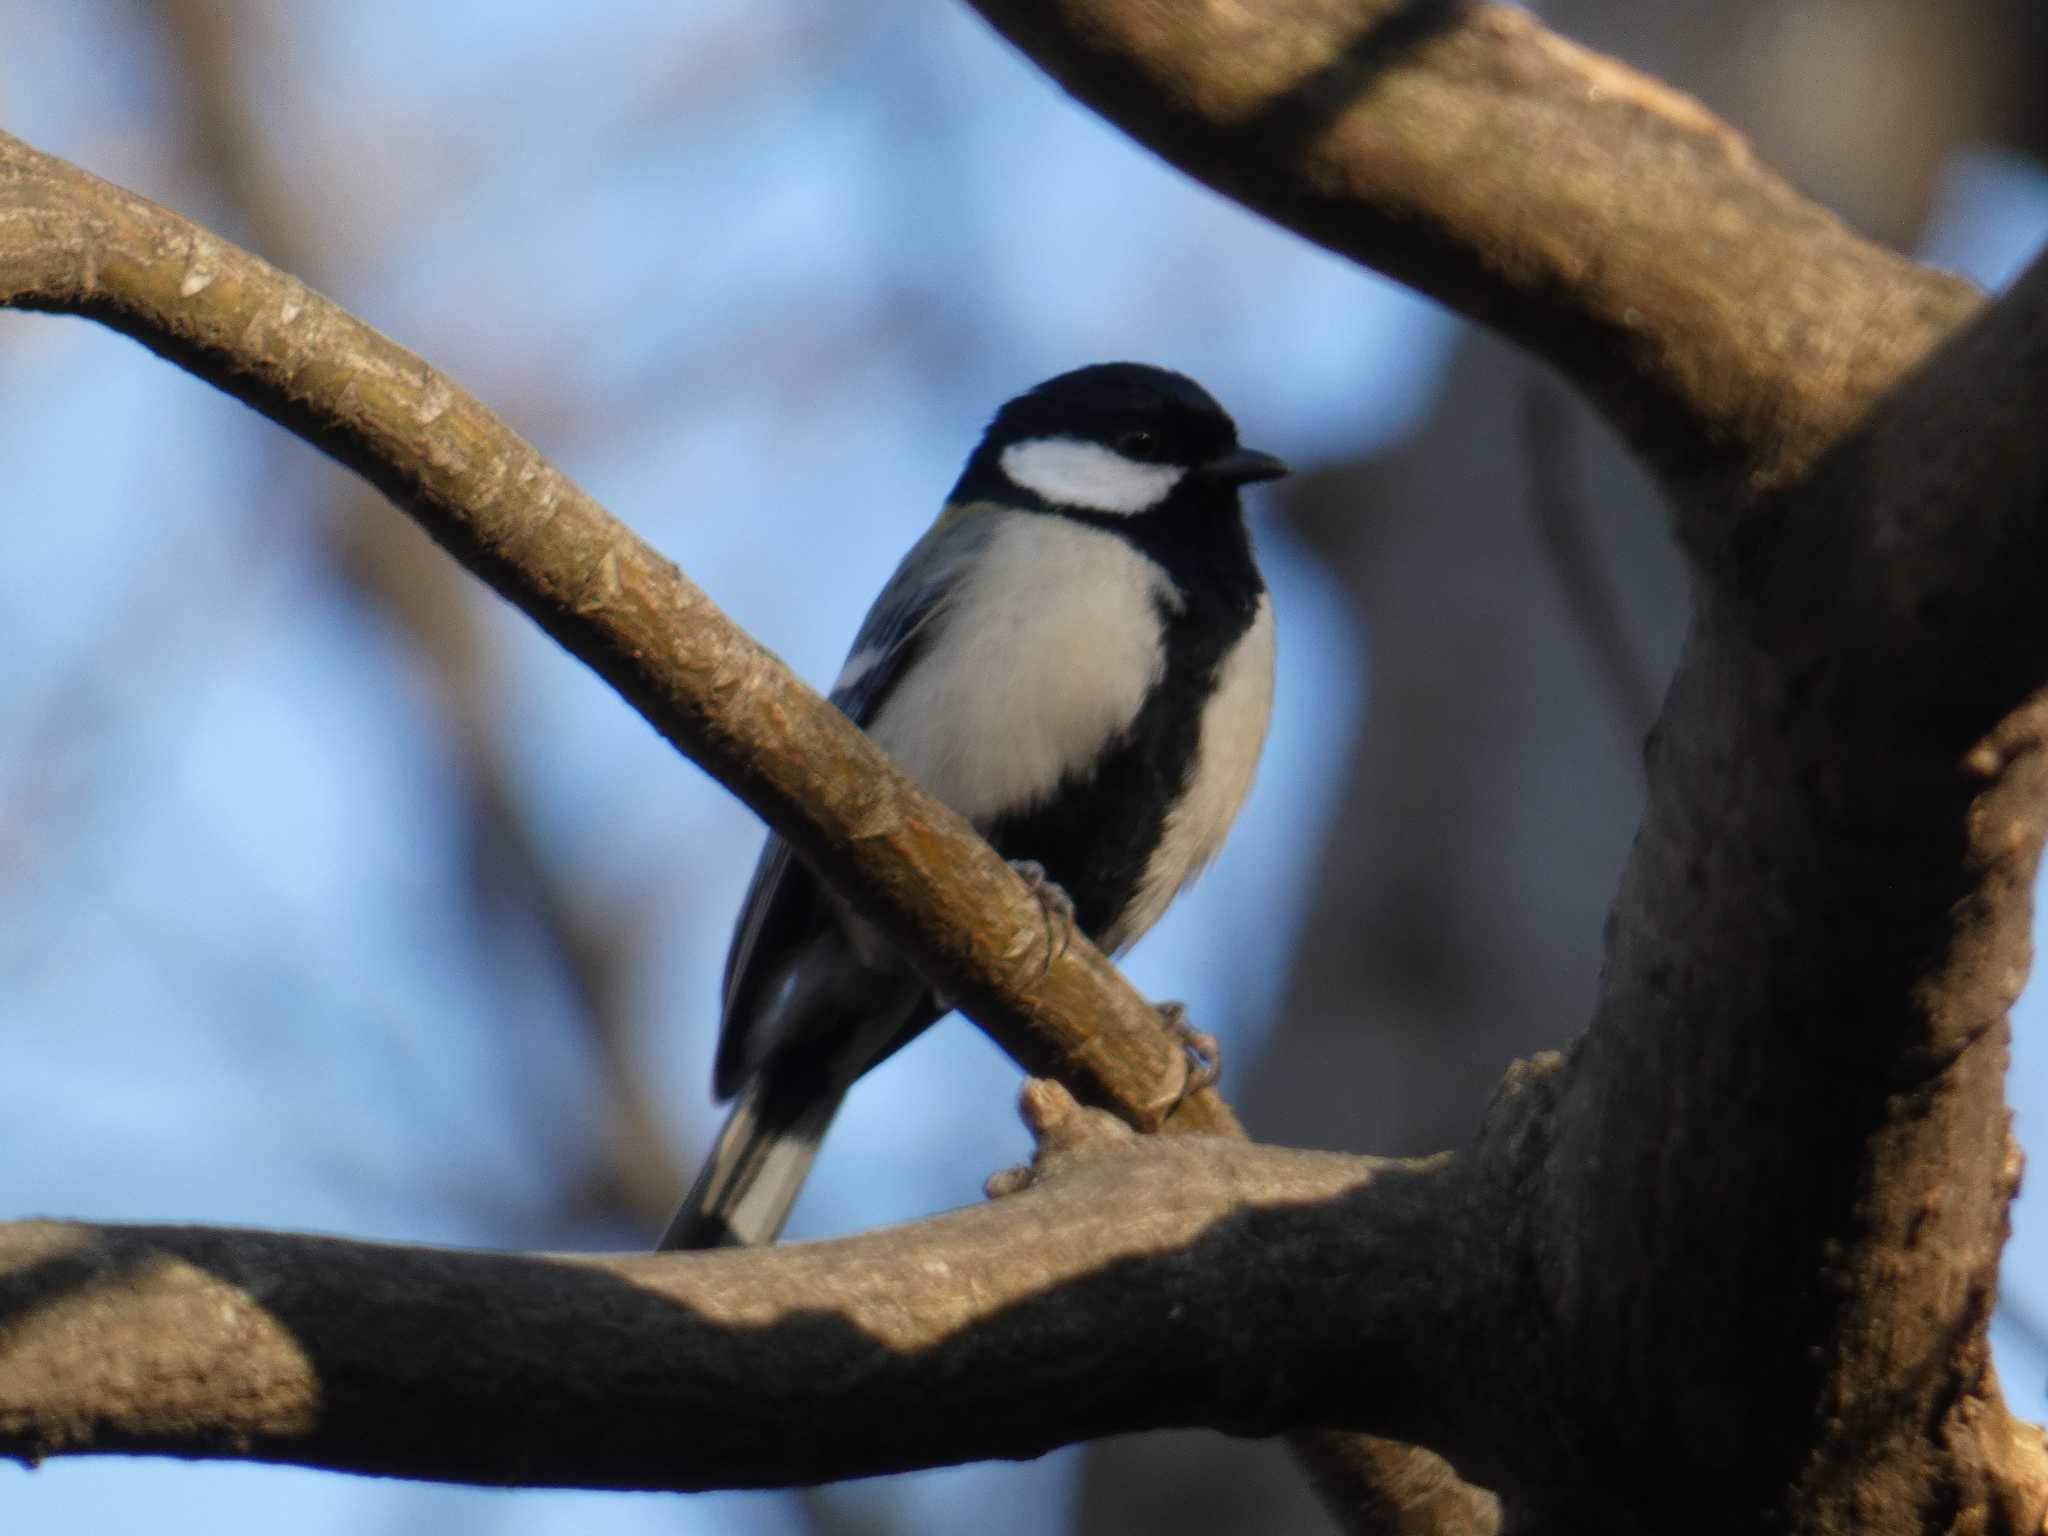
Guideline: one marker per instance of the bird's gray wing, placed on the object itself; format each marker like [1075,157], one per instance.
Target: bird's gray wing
[787,912]
[903,616]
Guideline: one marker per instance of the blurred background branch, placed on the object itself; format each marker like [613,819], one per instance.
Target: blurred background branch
[514,884]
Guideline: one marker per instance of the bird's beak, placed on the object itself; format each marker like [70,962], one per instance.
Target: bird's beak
[1244,466]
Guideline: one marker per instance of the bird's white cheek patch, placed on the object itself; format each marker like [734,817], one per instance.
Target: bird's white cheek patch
[1070,473]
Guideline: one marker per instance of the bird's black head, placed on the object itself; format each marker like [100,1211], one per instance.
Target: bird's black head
[1114,440]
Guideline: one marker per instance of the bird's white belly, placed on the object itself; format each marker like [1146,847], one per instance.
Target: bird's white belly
[1046,652]
[1234,722]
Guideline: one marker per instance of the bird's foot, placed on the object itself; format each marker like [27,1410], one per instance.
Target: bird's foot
[1205,1056]
[1054,903]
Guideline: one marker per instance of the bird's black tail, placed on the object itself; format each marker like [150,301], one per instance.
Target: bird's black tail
[757,1167]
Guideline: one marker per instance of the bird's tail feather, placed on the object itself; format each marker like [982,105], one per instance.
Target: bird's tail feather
[757,1167]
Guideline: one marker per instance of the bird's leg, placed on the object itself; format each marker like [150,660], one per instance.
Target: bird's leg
[1205,1056]
[1054,903]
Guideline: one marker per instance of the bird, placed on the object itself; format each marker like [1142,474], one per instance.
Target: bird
[1078,657]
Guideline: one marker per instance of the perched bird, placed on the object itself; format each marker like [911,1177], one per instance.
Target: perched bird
[1078,658]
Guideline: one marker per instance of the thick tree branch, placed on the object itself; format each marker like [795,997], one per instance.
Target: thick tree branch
[1607,222]
[1177,1281]
[1782,1157]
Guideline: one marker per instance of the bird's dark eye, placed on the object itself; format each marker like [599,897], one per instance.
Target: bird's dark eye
[1138,444]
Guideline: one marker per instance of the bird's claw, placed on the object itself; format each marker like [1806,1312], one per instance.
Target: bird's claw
[1056,905]
[1205,1056]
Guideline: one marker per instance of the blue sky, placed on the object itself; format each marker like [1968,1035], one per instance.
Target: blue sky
[755,274]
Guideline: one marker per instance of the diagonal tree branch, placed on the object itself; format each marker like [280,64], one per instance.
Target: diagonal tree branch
[1604,220]
[71,243]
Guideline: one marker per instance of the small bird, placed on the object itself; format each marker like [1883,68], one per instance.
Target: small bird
[1078,658]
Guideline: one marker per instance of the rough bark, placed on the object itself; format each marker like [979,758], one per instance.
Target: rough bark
[1608,223]
[1169,1282]
[1782,1162]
